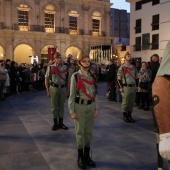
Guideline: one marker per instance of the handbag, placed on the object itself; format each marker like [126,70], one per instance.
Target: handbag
[143,85]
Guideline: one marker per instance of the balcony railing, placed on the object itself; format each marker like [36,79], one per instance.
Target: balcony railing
[40,28]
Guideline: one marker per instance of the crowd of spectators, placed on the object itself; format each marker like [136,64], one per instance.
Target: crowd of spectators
[19,78]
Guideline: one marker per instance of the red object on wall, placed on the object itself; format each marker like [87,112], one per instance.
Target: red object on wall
[51,52]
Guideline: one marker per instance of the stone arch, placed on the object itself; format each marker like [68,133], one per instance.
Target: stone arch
[50,7]
[44,52]
[74,51]
[73,12]
[2,52]
[23,53]
[96,13]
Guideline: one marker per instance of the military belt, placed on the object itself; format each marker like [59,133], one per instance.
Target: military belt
[58,85]
[129,85]
[83,101]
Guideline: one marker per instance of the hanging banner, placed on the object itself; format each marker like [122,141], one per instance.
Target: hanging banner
[51,52]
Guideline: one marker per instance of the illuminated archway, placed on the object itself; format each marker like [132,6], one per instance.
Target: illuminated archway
[23,53]
[74,51]
[1,53]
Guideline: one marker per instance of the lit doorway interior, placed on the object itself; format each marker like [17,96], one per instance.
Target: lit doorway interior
[74,51]
[1,53]
[23,53]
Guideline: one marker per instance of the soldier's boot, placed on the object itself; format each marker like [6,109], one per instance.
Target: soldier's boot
[61,125]
[130,117]
[126,117]
[80,160]
[88,159]
[55,126]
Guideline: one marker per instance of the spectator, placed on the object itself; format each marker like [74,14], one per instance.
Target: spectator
[112,80]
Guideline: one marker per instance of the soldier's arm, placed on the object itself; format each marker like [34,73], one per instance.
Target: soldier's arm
[161,98]
[119,79]
[47,81]
[71,100]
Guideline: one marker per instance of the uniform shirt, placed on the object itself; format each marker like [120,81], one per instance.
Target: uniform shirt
[90,89]
[164,68]
[56,78]
[128,77]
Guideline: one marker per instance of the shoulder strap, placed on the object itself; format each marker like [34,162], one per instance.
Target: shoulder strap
[67,73]
[124,75]
[76,78]
[95,80]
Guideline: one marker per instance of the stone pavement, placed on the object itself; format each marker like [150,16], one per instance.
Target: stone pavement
[27,142]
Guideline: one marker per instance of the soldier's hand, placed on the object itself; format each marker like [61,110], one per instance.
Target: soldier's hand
[96,113]
[48,93]
[164,146]
[74,116]
[121,90]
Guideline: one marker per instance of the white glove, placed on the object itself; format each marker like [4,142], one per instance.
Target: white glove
[164,145]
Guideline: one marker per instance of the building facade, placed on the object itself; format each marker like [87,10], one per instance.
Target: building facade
[120,31]
[149,27]
[30,27]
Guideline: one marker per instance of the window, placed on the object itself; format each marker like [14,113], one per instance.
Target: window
[138,5]
[23,20]
[23,17]
[138,44]
[138,26]
[73,24]
[155,22]
[155,41]
[49,22]
[96,23]
[155,2]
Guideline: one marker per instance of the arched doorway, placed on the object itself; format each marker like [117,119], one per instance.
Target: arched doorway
[45,52]
[23,53]
[74,51]
[1,53]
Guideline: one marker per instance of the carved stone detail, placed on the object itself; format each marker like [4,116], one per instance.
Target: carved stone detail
[85,7]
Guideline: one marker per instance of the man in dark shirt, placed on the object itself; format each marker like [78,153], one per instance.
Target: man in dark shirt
[112,80]
[154,66]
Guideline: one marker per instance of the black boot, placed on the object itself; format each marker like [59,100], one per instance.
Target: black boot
[130,117]
[126,117]
[87,158]
[80,160]
[55,126]
[61,125]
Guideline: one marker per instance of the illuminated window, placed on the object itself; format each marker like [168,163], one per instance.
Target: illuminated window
[49,22]
[49,18]
[73,22]
[23,17]
[96,23]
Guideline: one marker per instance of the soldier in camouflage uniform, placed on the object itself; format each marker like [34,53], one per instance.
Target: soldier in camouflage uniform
[56,82]
[127,76]
[83,106]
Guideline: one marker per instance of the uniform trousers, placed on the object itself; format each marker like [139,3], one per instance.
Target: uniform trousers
[58,96]
[84,124]
[128,98]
